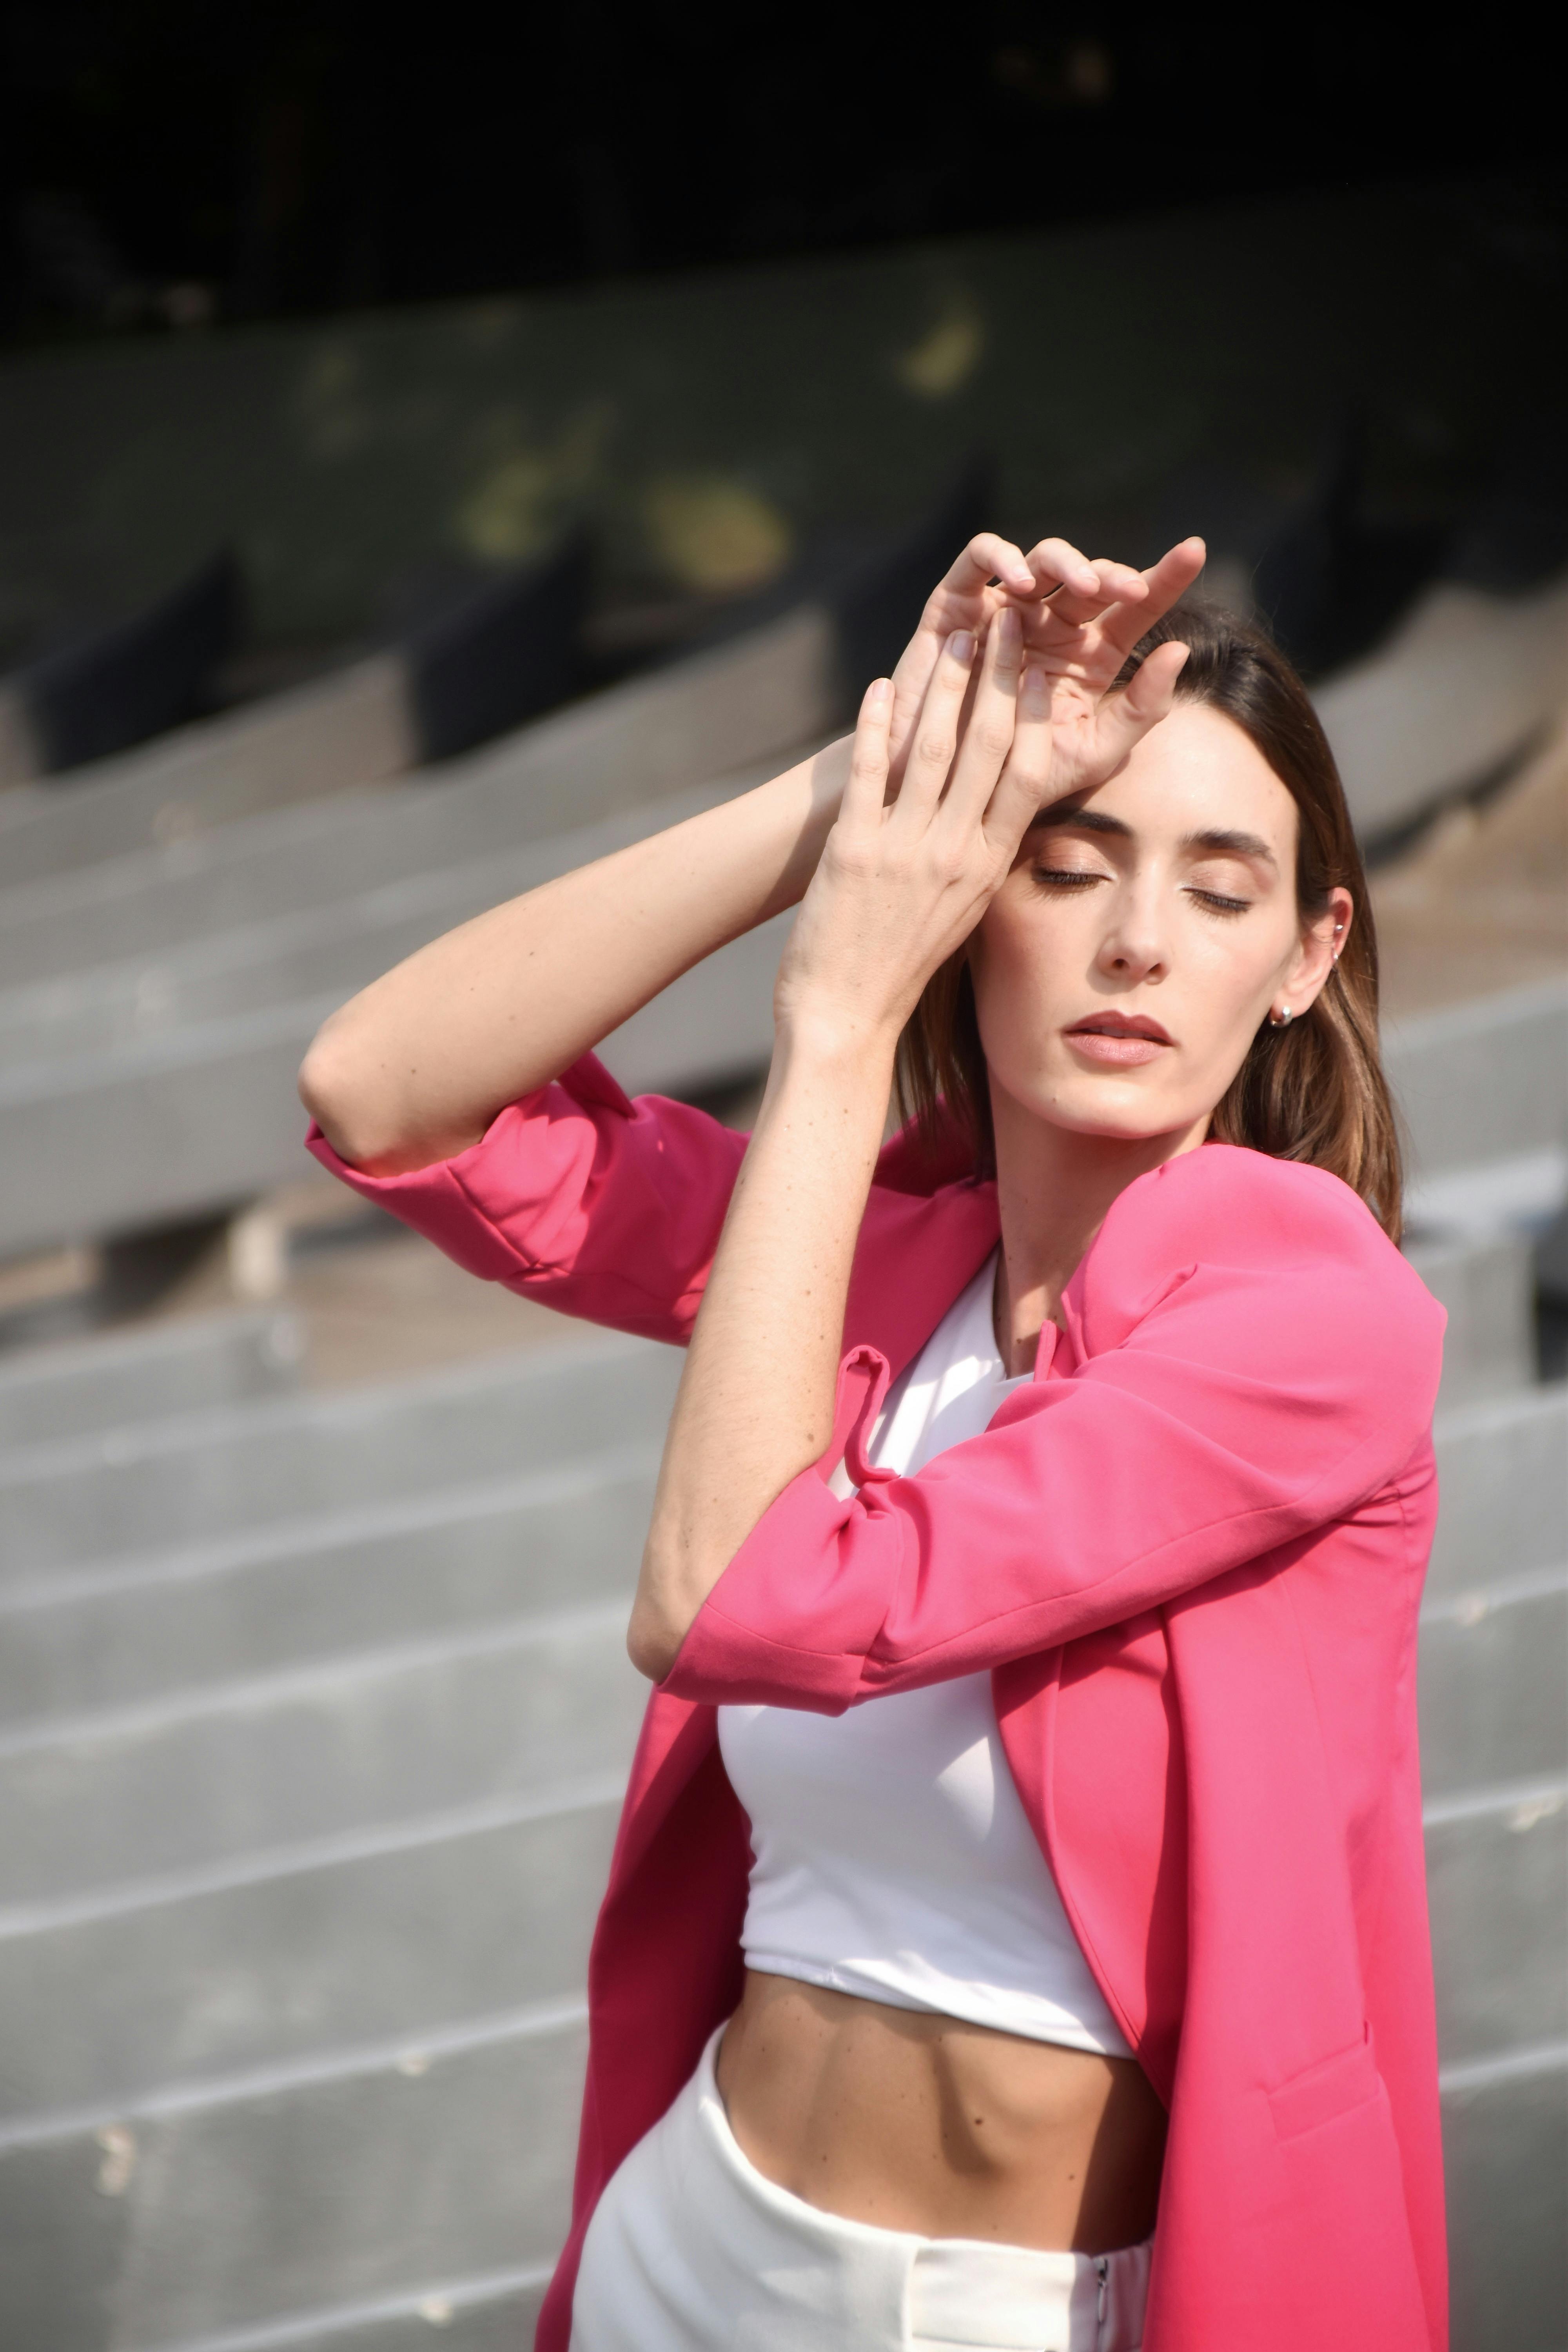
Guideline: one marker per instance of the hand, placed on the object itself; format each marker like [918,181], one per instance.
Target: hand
[1095,615]
[901,883]
[1081,641]
[965,600]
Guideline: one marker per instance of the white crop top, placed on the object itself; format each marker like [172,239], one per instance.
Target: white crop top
[893,1858]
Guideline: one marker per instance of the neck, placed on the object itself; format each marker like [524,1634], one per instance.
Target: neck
[1054,1188]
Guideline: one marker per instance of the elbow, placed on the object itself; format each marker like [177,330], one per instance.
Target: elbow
[658,1621]
[652,1645]
[332,1090]
[327,1091]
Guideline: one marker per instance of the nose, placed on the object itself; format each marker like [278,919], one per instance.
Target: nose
[1133,947]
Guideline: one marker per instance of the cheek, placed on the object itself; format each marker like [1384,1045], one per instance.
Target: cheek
[1023,962]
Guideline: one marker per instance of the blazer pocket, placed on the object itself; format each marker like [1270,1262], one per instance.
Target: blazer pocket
[1328,2088]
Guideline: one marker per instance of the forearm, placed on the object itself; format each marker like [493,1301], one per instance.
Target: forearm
[414,1067]
[757,1399]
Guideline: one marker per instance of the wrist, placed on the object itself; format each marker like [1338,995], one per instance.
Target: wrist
[831,1042]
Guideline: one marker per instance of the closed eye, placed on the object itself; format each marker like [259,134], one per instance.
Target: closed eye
[1067,877]
[1219,904]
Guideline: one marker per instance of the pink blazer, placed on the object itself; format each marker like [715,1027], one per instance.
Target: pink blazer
[1191,1554]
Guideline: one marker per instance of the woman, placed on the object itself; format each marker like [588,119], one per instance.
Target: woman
[1016,1934]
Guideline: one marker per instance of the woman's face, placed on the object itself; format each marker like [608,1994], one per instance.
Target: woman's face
[1147,928]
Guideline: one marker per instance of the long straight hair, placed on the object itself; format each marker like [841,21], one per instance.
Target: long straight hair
[1313,1091]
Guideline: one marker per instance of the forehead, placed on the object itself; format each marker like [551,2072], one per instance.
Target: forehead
[1198,772]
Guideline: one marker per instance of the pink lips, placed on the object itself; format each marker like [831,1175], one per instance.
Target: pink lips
[1117,1039]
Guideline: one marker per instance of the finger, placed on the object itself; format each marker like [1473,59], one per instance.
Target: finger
[1055,564]
[860,809]
[987,557]
[1116,583]
[963,597]
[1124,717]
[1024,783]
[1165,583]
[935,737]
[986,733]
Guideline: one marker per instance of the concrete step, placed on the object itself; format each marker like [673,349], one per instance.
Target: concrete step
[491,655]
[710,715]
[154,1489]
[1505,2141]
[362,1938]
[1485,1080]
[1463,683]
[320,1751]
[1504,1487]
[1488,1289]
[495,2312]
[352,727]
[1497,1878]
[345,2179]
[111,1380]
[189,1096]
[102,1008]
[1493,1680]
[259,1601]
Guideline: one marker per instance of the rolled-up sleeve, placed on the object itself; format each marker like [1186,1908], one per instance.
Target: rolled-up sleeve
[1255,1360]
[579,1197]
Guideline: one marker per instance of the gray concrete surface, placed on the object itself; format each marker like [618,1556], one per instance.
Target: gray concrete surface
[1504,1494]
[1483,1081]
[661,733]
[1462,687]
[1505,2131]
[1497,1877]
[120,1633]
[335,734]
[450,1918]
[154,1489]
[50,1395]
[336,2180]
[1486,1289]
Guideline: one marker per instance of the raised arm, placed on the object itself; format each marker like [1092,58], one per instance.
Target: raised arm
[904,877]
[413,1069]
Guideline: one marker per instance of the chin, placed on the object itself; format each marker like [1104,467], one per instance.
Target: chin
[1114,1110]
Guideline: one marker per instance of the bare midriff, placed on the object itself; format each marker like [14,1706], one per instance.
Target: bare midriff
[922,2123]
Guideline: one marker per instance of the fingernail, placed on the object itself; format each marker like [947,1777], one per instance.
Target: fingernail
[879,690]
[961,645]
[1034,691]
[1008,629]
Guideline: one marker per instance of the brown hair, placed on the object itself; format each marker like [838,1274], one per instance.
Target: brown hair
[1313,1091]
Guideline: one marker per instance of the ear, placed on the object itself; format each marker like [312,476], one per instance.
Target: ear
[1323,943]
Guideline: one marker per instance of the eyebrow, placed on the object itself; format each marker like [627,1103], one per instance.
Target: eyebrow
[1090,820]
[1229,842]
[1221,840]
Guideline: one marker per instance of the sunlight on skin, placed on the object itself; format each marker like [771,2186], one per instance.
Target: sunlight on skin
[1139,917]
[1147,929]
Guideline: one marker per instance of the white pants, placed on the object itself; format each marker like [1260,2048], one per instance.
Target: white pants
[690,2250]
